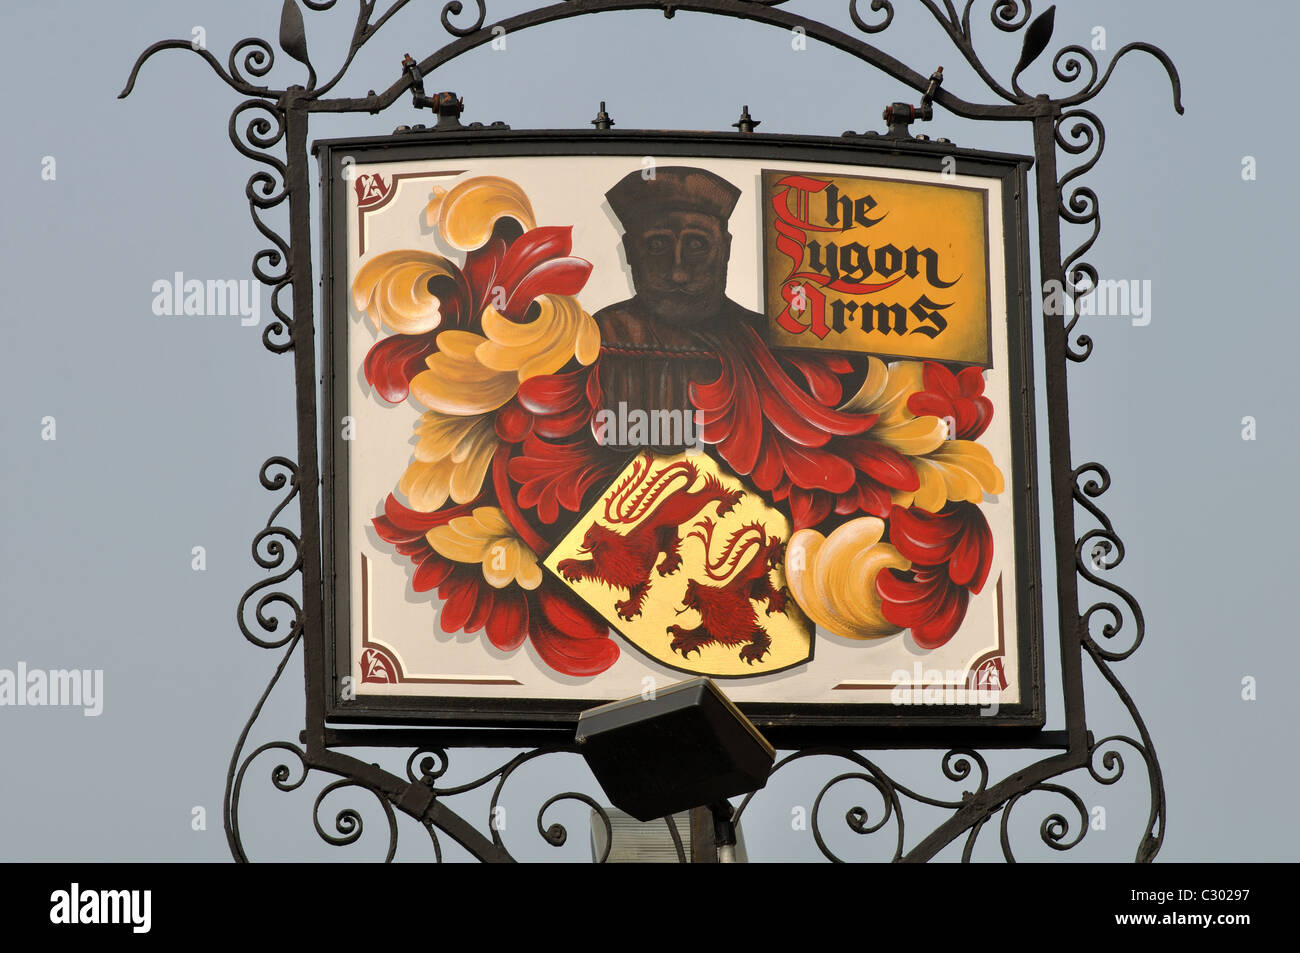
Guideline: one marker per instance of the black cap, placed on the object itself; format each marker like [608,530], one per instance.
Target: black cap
[672,188]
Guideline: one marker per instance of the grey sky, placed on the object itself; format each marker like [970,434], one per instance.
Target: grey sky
[162,422]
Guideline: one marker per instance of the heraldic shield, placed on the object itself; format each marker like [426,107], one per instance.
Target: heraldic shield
[688,565]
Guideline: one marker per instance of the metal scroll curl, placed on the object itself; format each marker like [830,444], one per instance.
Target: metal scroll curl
[433,764]
[269,126]
[267,189]
[1097,551]
[277,550]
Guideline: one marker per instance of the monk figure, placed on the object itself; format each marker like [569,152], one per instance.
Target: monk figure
[668,334]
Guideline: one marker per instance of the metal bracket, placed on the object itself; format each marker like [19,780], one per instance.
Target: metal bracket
[900,116]
[447,105]
[603,120]
[746,122]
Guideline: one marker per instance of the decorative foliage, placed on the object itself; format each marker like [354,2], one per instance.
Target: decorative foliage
[468,536]
[1037,37]
[293,37]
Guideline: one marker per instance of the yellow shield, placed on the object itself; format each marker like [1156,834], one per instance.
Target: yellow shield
[687,564]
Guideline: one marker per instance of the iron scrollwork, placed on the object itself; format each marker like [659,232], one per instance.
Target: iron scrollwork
[270,118]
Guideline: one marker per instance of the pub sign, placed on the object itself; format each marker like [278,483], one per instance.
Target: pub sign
[610,411]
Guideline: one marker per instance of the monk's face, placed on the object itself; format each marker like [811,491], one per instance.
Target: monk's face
[679,265]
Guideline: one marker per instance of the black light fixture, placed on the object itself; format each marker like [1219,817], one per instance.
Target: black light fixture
[683,747]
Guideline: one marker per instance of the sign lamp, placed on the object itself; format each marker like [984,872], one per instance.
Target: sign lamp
[680,748]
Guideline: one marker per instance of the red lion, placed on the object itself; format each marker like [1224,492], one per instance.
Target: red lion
[727,614]
[624,560]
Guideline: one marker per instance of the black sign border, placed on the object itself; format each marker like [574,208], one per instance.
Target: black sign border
[804,723]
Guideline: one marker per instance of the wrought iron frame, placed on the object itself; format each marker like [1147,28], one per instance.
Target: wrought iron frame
[272,117]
